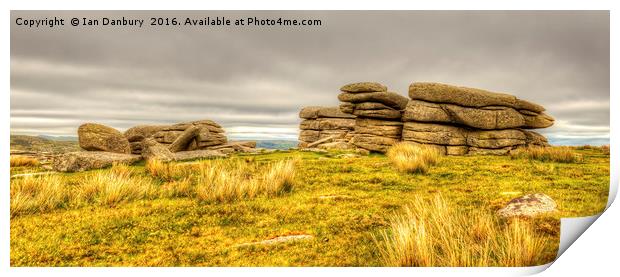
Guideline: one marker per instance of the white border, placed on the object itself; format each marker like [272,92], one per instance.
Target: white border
[312,5]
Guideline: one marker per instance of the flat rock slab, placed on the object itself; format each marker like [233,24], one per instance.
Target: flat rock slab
[314,112]
[528,205]
[390,99]
[198,154]
[277,240]
[81,161]
[364,87]
[469,97]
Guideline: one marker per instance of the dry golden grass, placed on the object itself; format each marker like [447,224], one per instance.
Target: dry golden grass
[163,170]
[413,158]
[37,194]
[23,161]
[437,233]
[560,154]
[233,180]
[114,186]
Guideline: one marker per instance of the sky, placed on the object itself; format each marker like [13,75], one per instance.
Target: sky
[253,80]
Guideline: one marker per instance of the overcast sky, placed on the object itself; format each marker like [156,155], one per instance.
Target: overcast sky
[254,80]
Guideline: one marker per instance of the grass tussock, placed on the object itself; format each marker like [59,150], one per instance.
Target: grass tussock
[439,234]
[229,181]
[560,154]
[37,194]
[163,170]
[413,158]
[16,161]
[115,186]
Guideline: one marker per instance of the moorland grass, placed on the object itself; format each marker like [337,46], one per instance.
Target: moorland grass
[174,228]
[561,154]
[214,181]
[438,233]
[412,158]
[16,161]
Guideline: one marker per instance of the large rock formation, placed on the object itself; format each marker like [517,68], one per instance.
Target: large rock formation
[324,124]
[455,120]
[459,120]
[97,137]
[378,124]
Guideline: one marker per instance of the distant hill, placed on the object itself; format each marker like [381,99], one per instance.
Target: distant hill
[43,144]
[276,144]
[59,138]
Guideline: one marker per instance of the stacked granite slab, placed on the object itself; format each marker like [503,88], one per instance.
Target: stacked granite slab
[323,125]
[460,120]
[378,124]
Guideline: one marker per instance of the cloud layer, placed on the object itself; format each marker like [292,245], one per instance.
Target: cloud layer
[253,81]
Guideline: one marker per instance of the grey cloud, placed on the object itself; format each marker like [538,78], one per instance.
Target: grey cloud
[262,76]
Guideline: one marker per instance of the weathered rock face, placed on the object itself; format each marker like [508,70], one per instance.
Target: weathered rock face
[364,87]
[459,120]
[97,137]
[488,118]
[80,161]
[198,154]
[468,97]
[378,124]
[495,142]
[151,149]
[390,99]
[182,142]
[236,146]
[528,205]
[324,125]
[140,132]
[202,134]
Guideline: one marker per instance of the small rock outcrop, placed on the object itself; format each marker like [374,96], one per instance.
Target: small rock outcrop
[528,205]
[209,134]
[183,141]
[97,137]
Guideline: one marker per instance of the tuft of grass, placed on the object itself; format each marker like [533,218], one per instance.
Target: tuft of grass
[37,194]
[412,158]
[163,170]
[178,188]
[114,186]
[560,154]
[16,161]
[437,233]
[229,181]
